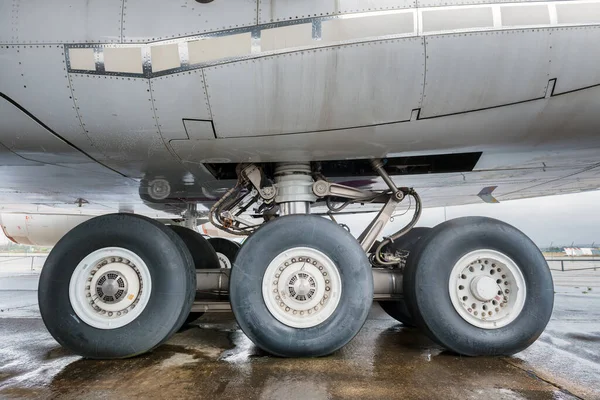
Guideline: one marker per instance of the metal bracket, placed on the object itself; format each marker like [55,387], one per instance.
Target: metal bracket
[253,174]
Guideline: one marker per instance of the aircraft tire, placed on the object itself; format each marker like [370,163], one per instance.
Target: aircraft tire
[97,259]
[479,286]
[398,309]
[226,250]
[202,253]
[301,286]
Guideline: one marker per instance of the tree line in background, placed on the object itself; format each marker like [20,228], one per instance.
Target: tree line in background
[11,247]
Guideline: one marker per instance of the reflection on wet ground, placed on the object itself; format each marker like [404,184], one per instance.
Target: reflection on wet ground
[214,359]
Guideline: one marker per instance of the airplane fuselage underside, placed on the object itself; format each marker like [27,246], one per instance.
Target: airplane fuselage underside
[89,105]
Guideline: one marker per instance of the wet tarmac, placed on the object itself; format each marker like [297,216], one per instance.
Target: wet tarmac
[213,359]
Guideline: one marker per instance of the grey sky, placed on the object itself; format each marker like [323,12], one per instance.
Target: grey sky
[555,219]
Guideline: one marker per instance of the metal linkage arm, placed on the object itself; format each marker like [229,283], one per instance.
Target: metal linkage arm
[323,188]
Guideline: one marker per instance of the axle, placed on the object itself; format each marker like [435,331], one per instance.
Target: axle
[212,288]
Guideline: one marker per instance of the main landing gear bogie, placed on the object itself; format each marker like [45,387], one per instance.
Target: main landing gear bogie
[119,285]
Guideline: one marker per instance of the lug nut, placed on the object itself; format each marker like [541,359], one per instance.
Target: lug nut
[287,309]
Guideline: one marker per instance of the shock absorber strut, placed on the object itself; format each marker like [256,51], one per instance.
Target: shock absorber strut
[294,188]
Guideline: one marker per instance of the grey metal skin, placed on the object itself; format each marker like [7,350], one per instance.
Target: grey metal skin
[212,287]
[111,95]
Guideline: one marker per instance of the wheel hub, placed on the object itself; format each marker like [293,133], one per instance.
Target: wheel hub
[111,287]
[483,288]
[107,287]
[301,287]
[487,289]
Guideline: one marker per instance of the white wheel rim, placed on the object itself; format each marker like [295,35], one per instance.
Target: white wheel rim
[110,288]
[223,260]
[487,289]
[302,287]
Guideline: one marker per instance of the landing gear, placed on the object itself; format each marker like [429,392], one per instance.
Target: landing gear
[102,291]
[202,253]
[479,286]
[226,250]
[398,309]
[120,285]
[301,286]
[404,246]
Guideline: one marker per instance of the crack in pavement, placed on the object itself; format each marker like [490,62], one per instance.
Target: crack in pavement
[536,376]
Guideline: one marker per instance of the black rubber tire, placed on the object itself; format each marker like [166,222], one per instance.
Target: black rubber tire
[427,277]
[398,309]
[226,248]
[202,253]
[253,259]
[171,268]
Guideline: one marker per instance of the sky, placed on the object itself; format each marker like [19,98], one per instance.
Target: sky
[556,220]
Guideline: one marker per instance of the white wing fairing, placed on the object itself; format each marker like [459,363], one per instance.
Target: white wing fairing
[112,97]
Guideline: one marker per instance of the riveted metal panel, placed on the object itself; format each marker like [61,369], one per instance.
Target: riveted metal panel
[30,140]
[151,20]
[177,97]
[574,63]
[199,130]
[119,117]
[326,88]
[480,70]
[68,21]
[285,10]
[525,135]
[7,28]
[444,3]
[43,89]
